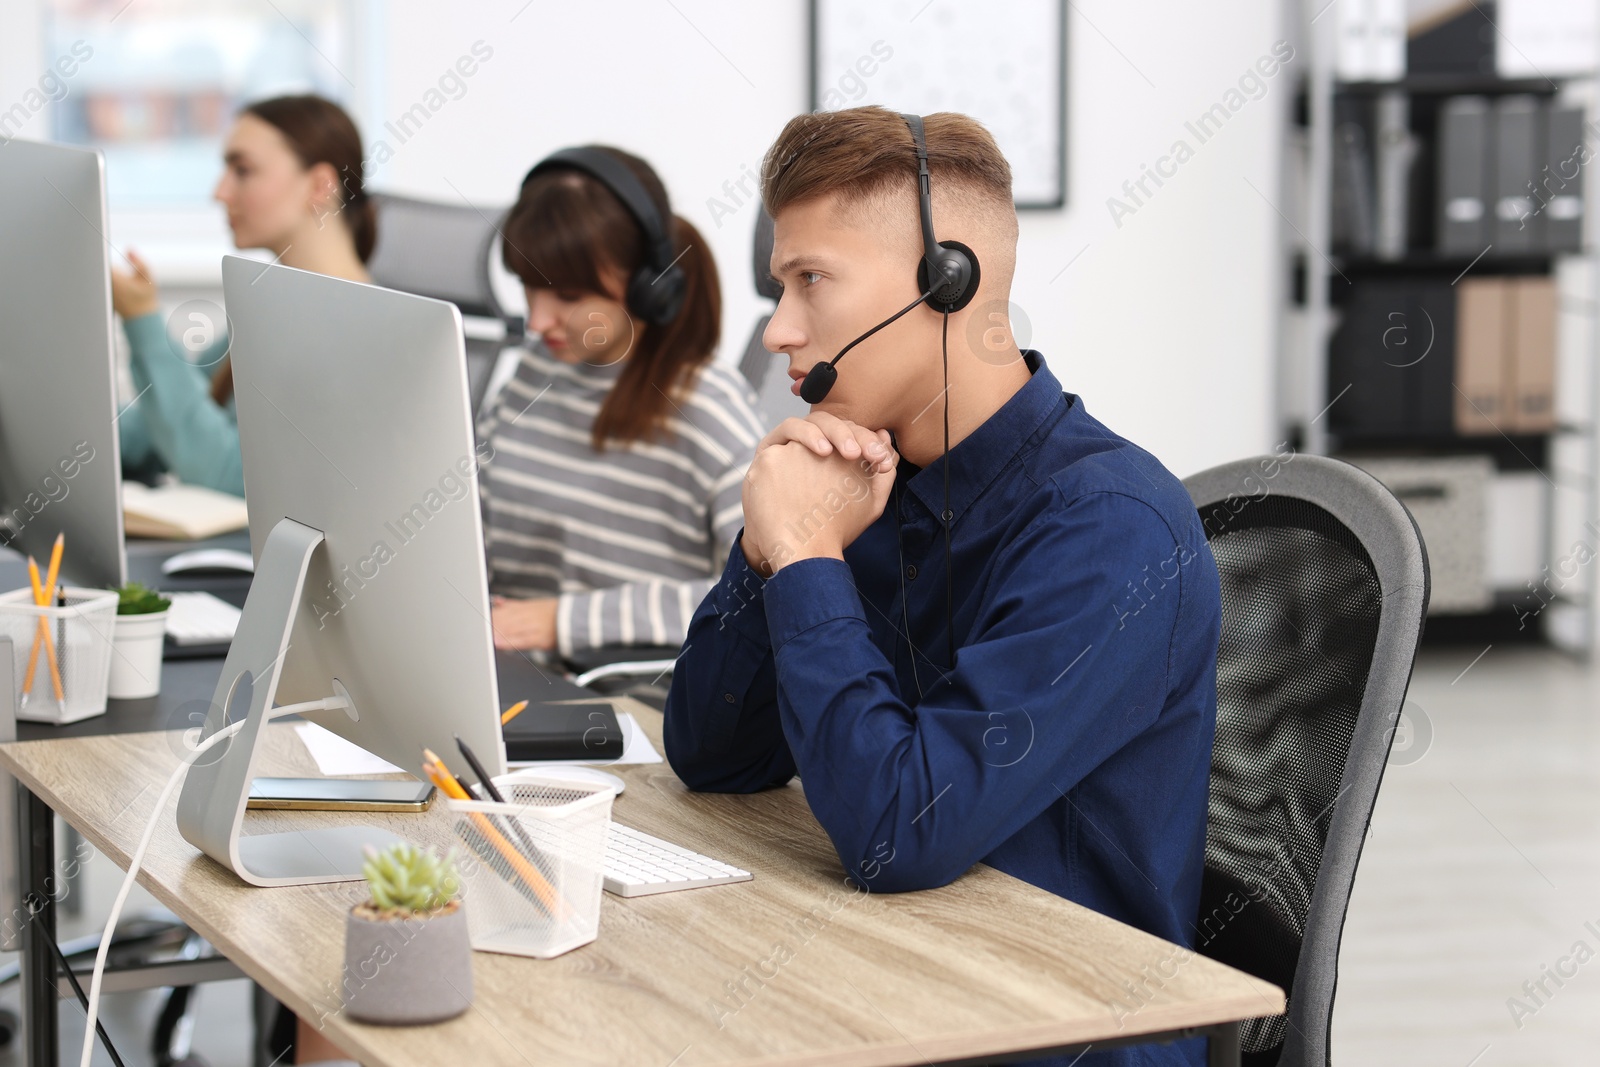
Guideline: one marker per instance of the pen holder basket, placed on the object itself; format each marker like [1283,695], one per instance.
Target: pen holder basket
[80,635]
[532,869]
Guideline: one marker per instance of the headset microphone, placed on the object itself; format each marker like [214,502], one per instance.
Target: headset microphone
[820,378]
[947,274]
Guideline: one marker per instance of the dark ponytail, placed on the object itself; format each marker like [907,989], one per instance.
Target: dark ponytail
[571,226]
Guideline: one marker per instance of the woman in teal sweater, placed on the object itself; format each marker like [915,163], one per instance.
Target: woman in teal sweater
[291,184]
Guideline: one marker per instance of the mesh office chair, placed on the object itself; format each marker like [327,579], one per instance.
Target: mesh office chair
[1324,586]
[443,251]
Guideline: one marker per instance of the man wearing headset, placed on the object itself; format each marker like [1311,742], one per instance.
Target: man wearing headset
[1037,692]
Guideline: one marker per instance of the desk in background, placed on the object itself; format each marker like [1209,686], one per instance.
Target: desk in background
[144,565]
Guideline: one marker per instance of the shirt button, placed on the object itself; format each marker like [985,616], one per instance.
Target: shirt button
[911,572]
[730,698]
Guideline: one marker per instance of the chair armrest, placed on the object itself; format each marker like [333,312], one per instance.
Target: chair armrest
[650,668]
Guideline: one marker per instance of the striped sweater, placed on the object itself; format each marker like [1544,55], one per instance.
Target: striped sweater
[631,539]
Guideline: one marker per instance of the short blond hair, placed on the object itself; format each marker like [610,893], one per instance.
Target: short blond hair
[863,153]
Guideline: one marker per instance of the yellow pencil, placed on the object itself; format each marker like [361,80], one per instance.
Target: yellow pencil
[39,631]
[450,787]
[42,634]
[512,712]
[49,590]
[55,566]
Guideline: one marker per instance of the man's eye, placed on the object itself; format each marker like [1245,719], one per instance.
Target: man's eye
[810,277]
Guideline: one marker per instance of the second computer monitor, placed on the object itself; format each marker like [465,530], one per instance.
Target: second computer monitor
[354,421]
[60,467]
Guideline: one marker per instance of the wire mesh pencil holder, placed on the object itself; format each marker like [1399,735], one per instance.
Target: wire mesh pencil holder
[61,655]
[533,868]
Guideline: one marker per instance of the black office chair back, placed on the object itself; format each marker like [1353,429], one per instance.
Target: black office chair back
[443,251]
[775,401]
[1324,586]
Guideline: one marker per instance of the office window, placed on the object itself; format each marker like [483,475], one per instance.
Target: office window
[163,78]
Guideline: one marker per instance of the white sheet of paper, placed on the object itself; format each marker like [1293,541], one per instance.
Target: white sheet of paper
[339,758]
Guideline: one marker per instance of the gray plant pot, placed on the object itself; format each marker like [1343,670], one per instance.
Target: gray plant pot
[406,972]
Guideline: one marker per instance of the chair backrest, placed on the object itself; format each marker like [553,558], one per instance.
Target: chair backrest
[1324,586]
[443,251]
[775,401]
[438,250]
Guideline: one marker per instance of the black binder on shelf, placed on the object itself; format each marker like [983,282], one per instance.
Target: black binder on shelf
[1463,176]
[1559,196]
[1518,156]
[1365,358]
[1395,351]
[1431,315]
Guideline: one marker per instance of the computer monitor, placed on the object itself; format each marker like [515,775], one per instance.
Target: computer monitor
[361,482]
[60,467]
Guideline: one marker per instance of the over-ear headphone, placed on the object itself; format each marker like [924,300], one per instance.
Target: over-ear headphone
[948,270]
[655,291]
[947,275]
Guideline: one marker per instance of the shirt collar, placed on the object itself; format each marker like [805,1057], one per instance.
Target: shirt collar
[980,457]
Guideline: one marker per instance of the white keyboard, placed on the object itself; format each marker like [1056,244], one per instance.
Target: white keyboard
[638,865]
[200,619]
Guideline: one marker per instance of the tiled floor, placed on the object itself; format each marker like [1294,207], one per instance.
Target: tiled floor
[1482,869]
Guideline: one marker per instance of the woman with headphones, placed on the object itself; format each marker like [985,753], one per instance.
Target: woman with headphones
[292,184]
[619,448]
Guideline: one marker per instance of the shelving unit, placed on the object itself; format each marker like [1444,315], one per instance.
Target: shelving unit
[1567,458]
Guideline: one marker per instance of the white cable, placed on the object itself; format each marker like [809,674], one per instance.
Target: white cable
[134,862]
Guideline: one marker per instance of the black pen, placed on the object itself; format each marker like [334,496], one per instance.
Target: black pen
[61,635]
[477,769]
[495,795]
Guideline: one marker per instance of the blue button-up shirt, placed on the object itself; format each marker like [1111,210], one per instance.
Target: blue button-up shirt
[1068,745]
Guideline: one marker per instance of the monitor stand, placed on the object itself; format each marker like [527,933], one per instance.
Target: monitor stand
[212,805]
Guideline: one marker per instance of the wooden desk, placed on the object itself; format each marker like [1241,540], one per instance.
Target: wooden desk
[792,968]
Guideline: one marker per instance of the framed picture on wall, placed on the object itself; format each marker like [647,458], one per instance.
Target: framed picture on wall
[1004,62]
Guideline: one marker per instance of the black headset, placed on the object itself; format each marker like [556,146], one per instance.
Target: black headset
[947,274]
[656,290]
[952,263]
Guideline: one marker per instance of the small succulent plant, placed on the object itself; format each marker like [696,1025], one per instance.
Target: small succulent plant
[138,599]
[406,880]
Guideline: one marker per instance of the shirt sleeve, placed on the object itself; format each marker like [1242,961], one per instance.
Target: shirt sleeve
[1066,662]
[195,438]
[722,731]
[653,612]
[133,439]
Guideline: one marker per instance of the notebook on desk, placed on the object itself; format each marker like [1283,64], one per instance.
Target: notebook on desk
[180,512]
[563,721]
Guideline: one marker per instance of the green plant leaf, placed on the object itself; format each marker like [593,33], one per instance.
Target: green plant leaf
[136,598]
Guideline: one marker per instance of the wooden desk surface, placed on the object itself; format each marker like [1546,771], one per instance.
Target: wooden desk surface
[791,968]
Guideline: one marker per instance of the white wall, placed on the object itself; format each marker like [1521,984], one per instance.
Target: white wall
[1165,324]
